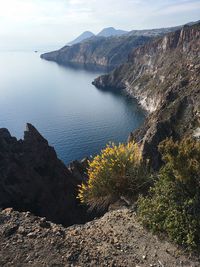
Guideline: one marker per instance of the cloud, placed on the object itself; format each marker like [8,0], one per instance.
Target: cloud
[180,7]
[58,21]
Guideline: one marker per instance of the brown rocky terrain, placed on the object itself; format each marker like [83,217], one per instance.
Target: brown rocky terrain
[32,178]
[164,76]
[117,239]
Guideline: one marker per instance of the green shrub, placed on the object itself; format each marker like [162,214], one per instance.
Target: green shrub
[117,171]
[173,204]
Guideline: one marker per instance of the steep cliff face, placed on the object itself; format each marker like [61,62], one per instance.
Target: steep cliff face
[101,51]
[164,76]
[32,178]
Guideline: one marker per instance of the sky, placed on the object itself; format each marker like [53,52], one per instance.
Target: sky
[48,24]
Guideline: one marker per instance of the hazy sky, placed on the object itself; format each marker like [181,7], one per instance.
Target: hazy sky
[46,23]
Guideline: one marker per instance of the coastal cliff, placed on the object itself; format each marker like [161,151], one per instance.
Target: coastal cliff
[38,192]
[33,179]
[97,51]
[107,50]
[163,76]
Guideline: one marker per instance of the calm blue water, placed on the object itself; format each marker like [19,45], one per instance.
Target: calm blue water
[75,117]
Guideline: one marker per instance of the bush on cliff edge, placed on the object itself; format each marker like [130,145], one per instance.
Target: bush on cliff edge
[173,205]
[117,171]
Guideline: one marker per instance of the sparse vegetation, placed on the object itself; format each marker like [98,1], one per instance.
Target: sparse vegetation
[172,205]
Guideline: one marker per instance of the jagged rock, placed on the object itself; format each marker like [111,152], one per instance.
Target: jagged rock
[79,169]
[163,76]
[32,178]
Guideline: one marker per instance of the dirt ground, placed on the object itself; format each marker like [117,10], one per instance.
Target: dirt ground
[116,239]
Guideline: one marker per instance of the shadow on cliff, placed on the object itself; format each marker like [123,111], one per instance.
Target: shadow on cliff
[33,179]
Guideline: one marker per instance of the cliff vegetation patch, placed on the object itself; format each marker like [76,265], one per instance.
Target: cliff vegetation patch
[173,204]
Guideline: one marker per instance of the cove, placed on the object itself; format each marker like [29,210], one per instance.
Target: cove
[74,116]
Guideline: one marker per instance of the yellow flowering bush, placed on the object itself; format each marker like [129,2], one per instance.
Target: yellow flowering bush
[118,170]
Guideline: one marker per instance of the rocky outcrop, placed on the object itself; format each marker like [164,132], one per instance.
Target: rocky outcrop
[79,169]
[164,76]
[32,178]
[97,51]
[117,239]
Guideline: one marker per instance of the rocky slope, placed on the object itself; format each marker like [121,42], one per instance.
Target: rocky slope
[164,76]
[97,51]
[117,239]
[32,178]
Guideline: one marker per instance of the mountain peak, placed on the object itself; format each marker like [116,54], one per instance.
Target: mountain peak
[85,35]
[106,32]
[110,31]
